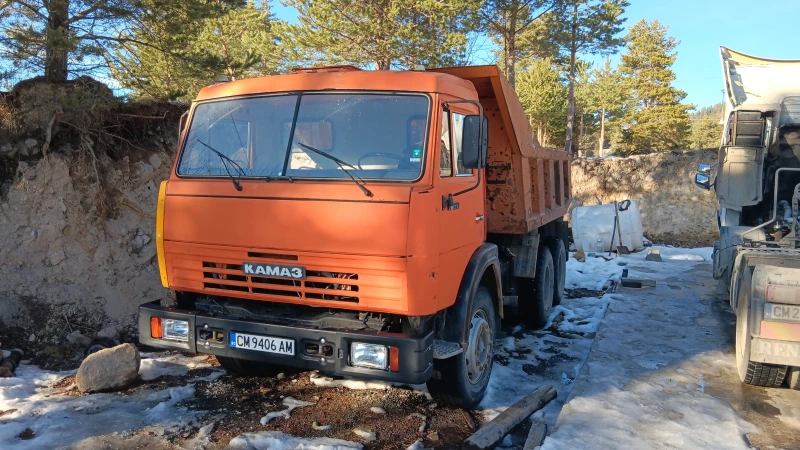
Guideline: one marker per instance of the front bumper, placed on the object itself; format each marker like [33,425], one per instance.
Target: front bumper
[416,353]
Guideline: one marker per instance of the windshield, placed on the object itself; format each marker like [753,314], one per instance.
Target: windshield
[377,136]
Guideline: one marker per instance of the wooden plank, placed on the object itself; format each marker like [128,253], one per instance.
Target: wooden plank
[494,431]
[535,436]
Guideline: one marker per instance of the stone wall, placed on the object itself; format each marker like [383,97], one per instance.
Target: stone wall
[673,209]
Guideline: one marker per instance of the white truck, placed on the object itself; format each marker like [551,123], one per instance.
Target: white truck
[757,183]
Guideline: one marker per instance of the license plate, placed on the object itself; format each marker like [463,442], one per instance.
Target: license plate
[266,344]
[788,313]
[275,270]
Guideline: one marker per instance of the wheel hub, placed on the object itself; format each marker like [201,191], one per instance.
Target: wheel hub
[479,347]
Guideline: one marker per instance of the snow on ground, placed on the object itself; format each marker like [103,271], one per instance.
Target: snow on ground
[159,365]
[275,440]
[643,384]
[58,419]
[527,359]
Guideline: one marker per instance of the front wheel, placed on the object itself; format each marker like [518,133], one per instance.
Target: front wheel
[462,379]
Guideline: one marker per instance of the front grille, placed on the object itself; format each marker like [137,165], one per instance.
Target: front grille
[335,286]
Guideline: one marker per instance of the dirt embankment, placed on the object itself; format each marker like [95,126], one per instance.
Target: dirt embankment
[77,248]
[673,209]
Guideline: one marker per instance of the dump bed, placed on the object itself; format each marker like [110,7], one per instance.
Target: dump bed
[527,185]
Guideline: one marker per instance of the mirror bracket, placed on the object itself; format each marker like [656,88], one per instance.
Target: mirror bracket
[480,139]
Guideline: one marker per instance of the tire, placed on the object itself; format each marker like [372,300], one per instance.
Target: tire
[536,296]
[752,373]
[461,380]
[244,367]
[559,254]
[794,378]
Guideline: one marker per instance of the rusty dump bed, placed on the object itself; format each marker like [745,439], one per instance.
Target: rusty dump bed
[527,185]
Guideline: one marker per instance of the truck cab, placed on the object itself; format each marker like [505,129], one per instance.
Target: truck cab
[334,219]
[757,183]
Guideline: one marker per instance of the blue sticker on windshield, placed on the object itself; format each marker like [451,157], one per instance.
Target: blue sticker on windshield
[416,155]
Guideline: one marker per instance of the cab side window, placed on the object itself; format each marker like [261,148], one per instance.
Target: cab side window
[445,160]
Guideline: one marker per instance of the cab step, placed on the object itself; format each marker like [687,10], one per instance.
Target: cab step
[444,349]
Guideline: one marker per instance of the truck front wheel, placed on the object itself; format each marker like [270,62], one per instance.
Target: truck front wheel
[462,379]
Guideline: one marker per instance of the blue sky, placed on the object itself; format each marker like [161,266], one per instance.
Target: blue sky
[702,26]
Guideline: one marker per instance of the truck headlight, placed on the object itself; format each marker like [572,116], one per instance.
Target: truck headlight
[372,356]
[175,330]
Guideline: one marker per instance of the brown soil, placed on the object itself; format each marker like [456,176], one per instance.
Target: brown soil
[245,400]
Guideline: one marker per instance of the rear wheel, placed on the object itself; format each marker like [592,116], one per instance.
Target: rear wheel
[750,372]
[559,254]
[246,367]
[536,296]
[462,379]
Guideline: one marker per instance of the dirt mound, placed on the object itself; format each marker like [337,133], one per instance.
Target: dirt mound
[78,224]
[674,211]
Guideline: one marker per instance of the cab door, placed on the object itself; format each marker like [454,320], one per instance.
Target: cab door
[462,224]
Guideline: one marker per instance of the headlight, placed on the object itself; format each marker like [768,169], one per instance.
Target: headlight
[175,330]
[373,356]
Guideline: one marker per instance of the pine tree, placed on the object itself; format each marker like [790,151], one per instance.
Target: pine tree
[706,127]
[658,121]
[385,33]
[505,21]
[194,44]
[59,37]
[581,27]
[609,96]
[543,96]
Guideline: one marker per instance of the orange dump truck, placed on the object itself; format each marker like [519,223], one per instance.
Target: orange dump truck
[363,223]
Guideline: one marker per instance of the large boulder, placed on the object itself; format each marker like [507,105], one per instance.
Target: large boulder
[109,369]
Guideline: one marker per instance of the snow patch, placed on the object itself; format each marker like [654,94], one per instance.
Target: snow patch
[275,440]
[291,404]
[154,365]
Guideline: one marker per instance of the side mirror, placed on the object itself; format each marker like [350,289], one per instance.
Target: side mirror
[704,169]
[702,180]
[475,141]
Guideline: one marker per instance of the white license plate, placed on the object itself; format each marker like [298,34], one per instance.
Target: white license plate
[267,344]
[789,313]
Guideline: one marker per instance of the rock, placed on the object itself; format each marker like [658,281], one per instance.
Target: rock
[32,337]
[55,256]
[155,161]
[378,410]
[6,148]
[433,436]
[30,143]
[109,369]
[653,255]
[77,338]
[111,332]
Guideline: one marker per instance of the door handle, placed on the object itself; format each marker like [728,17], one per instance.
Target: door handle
[479,218]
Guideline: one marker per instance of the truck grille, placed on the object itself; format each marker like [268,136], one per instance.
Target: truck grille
[318,285]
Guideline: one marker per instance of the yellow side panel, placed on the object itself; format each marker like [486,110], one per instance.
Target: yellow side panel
[162,260]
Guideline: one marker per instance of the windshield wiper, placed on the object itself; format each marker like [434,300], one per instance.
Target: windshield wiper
[357,180]
[225,160]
